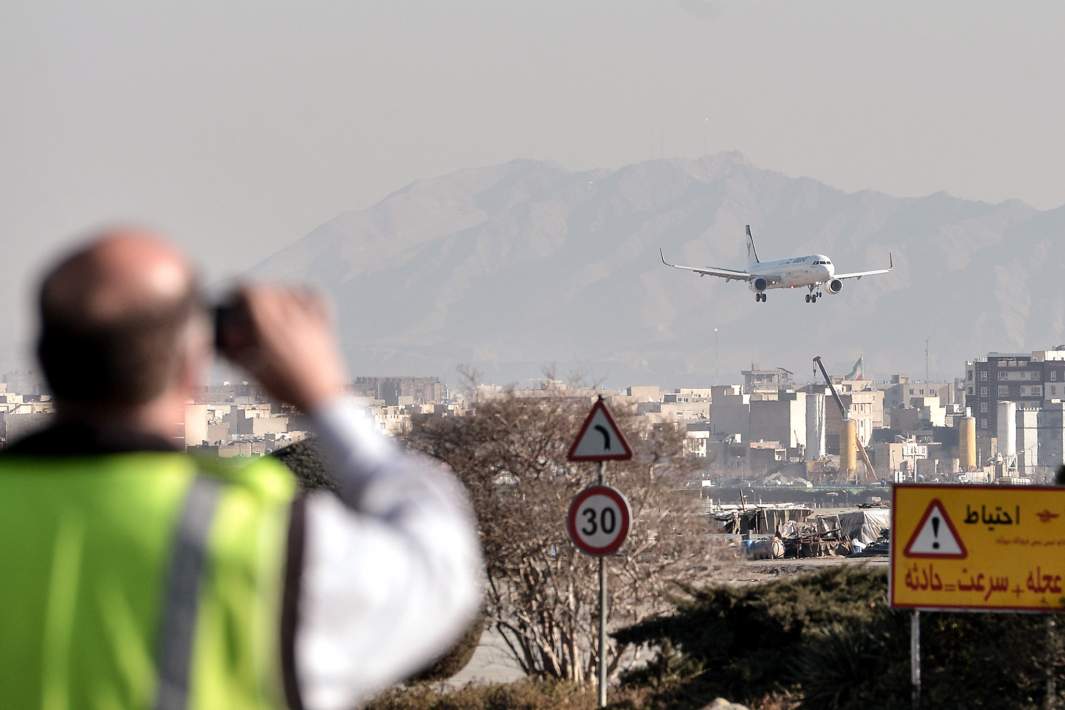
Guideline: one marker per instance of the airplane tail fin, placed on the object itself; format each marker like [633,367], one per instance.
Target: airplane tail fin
[752,251]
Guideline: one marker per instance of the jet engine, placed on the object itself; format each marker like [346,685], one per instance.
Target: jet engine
[760,284]
[834,286]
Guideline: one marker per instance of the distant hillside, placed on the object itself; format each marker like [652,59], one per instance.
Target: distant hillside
[516,266]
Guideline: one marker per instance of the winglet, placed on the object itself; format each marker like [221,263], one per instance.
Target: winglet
[748,230]
[891,261]
[663,257]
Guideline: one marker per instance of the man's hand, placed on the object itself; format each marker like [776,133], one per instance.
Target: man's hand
[288,344]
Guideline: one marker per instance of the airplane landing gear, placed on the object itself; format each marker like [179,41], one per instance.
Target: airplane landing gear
[759,297]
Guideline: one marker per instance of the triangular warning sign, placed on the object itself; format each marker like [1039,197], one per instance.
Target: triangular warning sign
[600,439]
[936,536]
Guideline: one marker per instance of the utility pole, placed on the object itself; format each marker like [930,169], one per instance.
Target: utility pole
[717,357]
[926,377]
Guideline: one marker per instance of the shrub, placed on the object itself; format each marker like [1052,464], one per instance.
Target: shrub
[520,695]
[305,461]
[458,656]
[829,640]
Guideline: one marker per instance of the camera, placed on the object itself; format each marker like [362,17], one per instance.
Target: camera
[232,324]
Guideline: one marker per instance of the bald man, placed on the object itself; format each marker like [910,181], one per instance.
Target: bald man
[137,576]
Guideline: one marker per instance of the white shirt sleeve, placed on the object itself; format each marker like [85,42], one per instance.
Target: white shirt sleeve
[391,572]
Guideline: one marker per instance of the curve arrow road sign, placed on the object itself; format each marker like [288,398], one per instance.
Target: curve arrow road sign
[600,438]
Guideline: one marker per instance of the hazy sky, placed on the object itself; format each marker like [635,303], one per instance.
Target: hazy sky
[240,126]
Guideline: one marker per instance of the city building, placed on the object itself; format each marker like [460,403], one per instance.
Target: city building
[782,419]
[816,442]
[399,391]
[918,414]
[756,382]
[901,391]
[644,393]
[730,414]
[1051,436]
[696,442]
[194,432]
[1006,430]
[897,461]
[1028,379]
[16,424]
[1028,440]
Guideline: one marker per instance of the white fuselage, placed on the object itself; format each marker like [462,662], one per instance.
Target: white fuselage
[808,271]
[815,272]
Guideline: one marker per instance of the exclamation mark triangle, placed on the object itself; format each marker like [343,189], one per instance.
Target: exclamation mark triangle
[936,536]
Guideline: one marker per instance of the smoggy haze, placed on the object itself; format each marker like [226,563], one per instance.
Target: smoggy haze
[241,126]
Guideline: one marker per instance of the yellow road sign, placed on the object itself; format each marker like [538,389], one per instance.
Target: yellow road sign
[990,548]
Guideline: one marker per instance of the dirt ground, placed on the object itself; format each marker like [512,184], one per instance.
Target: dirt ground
[755,571]
[491,662]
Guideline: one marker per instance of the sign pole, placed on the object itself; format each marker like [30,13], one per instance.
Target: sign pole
[1051,701]
[598,517]
[602,612]
[915,658]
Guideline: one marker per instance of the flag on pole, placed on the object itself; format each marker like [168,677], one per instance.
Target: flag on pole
[858,371]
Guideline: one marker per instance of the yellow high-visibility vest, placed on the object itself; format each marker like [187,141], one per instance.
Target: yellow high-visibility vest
[142,580]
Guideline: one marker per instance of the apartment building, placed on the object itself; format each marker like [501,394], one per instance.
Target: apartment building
[1028,379]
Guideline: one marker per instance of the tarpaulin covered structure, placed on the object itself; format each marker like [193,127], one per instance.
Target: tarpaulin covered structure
[760,520]
[864,525]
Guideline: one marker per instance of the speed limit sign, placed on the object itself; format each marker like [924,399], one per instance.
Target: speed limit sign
[598,520]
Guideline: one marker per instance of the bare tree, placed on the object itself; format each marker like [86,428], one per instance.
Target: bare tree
[510,451]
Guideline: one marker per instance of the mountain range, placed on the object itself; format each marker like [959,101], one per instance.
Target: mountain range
[516,267]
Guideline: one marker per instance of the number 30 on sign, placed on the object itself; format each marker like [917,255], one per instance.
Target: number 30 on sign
[598,520]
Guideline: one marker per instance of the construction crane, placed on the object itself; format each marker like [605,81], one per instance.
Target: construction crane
[849,441]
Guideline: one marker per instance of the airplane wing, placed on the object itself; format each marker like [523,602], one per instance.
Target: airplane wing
[727,274]
[875,272]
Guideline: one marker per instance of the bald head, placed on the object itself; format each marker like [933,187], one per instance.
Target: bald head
[113,316]
[118,273]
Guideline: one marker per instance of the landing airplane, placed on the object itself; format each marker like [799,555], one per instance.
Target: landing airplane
[812,272]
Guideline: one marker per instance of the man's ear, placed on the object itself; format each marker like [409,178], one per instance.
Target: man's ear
[194,357]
